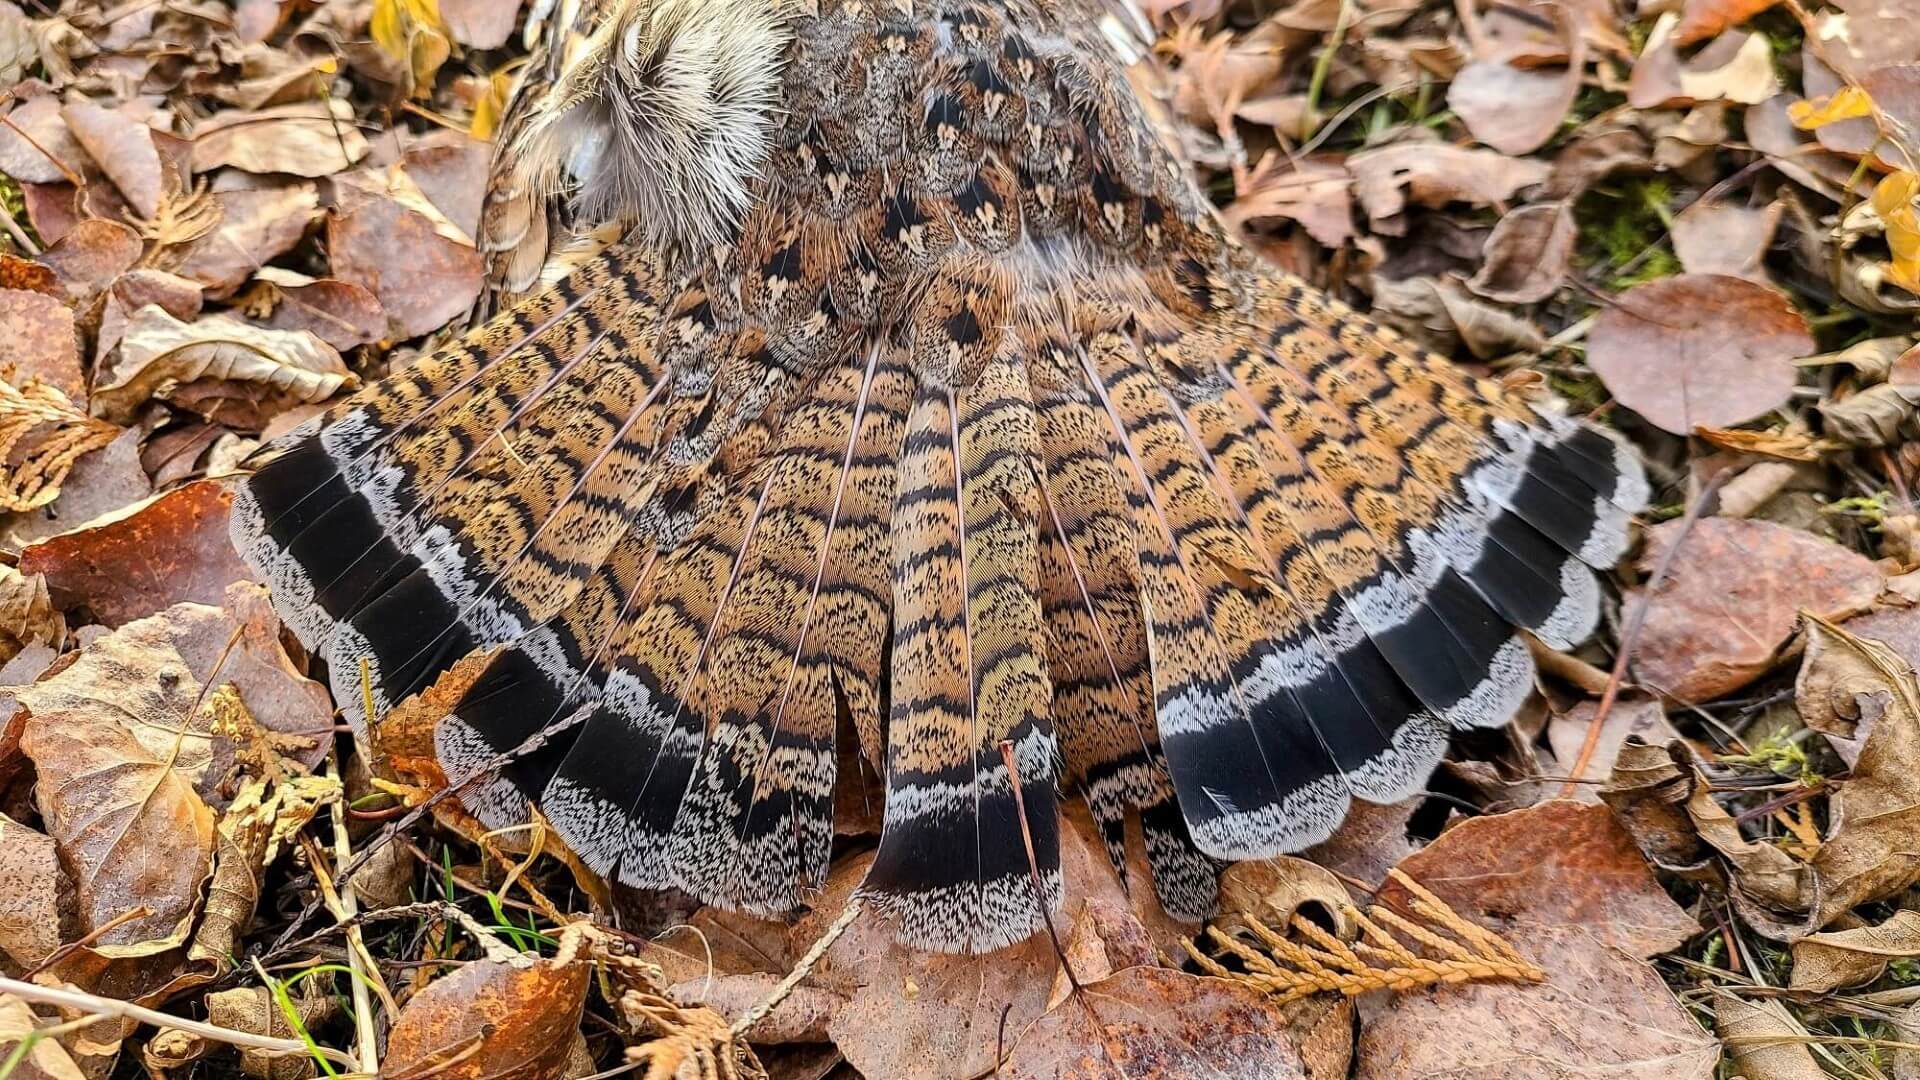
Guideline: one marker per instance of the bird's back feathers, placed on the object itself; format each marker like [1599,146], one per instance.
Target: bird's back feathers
[976,438]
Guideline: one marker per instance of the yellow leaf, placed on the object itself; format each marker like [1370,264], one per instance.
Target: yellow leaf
[491,106]
[1894,191]
[1849,103]
[411,32]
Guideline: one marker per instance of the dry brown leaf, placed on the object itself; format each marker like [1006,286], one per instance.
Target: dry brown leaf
[42,435]
[1868,853]
[48,1060]
[1735,66]
[254,1009]
[1837,959]
[803,1016]
[122,146]
[1791,445]
[1443,315]
[41,343]
[907,1008]
[159,353]
[1435,174]
[118,749]
[1564,884]
[1314,192]
[1648,792]
[27,614]
[35,145]
[171,549]
[1765,877]
[134,290]
[100,483]
[1717,238]
[1514,104]
[1527,254]
[1632,717]
[480,24]
[337,312]
[32,886]
[92,255]
[421,276]
[1699,350]
[1149,1023]
[1882,415]
[1731,598]
[1594,155]
[257,225]
[1797,155]
[1369,841]
[309,138]
[491,1019]
[1763,1038]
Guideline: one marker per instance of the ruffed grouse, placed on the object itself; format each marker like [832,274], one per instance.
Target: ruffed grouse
[926,400]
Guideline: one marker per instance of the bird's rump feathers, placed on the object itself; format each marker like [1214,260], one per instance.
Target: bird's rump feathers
[976,439]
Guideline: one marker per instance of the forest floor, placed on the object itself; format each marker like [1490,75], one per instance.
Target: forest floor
[1694,854]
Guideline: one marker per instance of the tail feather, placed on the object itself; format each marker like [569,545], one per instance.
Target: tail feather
[969,672]
[1250,773]
[757,827]
[1097,646]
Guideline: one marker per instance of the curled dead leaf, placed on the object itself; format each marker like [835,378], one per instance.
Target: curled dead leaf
[1435,174]
[27,614]
[118,748]
[32,890]
[257,225]
[1837,959]
[159,353]
[48,1059]
[1868,853]
[307,138]
[1764,1039]
[1527,254]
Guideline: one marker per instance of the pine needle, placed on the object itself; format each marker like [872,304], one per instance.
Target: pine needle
[1314,961]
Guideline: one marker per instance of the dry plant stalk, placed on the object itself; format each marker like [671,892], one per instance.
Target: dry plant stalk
[1377,960]
[31,469]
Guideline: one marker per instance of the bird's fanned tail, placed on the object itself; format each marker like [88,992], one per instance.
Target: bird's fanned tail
[976,435]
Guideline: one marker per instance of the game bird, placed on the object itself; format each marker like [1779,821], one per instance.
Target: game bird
[925,413]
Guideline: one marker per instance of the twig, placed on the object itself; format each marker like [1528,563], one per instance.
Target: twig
[1631,635]
[94,935]
[800,970]
[19,234]
[366,1036]
[67,997]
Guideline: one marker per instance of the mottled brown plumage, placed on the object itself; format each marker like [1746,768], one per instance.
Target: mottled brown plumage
[925,400]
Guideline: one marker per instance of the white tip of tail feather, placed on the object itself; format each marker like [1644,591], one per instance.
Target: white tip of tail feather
[666,118]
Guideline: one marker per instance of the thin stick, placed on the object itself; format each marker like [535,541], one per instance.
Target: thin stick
[800,970]
[67,997]
[94,935]
[366,1035]
[1632,633]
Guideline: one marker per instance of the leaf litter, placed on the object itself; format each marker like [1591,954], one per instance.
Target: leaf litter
[1697,221]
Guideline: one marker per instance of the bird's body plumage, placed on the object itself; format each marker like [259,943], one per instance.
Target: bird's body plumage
[962,426]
